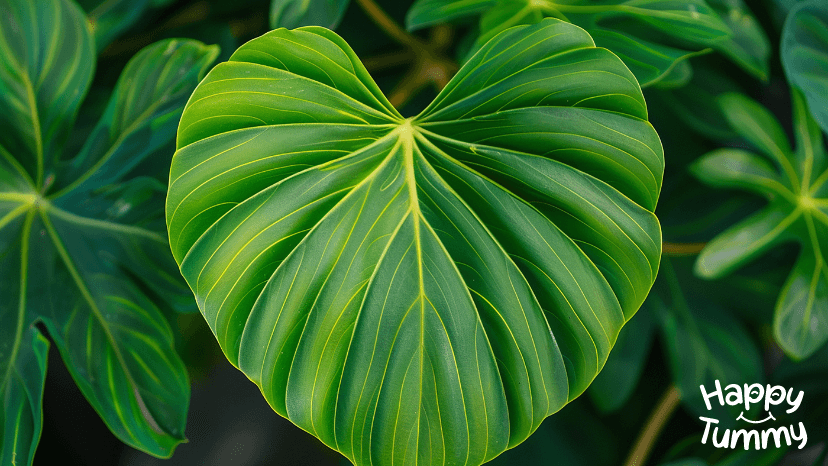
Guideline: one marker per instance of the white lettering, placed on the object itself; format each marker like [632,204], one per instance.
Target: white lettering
[707,396]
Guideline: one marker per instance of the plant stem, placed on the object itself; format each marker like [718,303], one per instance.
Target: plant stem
[429,65]
[388,25]
[655,424]
[681,249]
[388,60]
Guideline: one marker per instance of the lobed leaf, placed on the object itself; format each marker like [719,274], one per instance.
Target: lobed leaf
[81,235]
[796,186]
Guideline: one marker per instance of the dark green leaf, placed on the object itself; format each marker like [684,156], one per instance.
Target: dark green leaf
[619,377]
[695,102]
[23,372]
[748,46]
[296,13]
[796,186]
[432,286]
[424,13]
[111,18]
[737,458]
[704,342]
[651,36]
[560,440]
[82,242]
[804,52]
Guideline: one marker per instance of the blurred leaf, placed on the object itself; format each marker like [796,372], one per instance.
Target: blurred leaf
[748,46]
[737,458]
[796,187]
[111,18]
[678,76]
[309,218]
[804,52]
[651,36]
[704,342]
[87,259]
[573,437]
[424,13]
[695,103]
[686,462]
[620,375]
[809,375]
[295,13]
[21,388]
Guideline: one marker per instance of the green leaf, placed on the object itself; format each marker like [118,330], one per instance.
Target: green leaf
[82,244]
[22,389]
[651,36]
[808,375]
[796,186]
[703,342]
[695,103]
[617,381]
[737,458]
[804,53]
[562,437]
[687,462]
[748,46]
[424,13]
[111,18]
[296,13]
[432,286]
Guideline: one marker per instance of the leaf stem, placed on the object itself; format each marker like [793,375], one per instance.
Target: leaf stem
[429,64]
[681,249]
[388,25]
[655,424]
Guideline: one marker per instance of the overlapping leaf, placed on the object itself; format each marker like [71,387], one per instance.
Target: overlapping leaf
[795,182]
[82,248]
[651,36]
[703,342]
[111,18]
[296,13]
[804,53]
[418,290]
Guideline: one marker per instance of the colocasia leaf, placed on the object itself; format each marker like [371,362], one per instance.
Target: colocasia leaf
[795,182]
[651,36]
[804,53]
[422,289]
[296,13]
[82,244]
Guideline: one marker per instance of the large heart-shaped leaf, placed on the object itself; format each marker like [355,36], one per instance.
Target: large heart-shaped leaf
[796,186]
[418,290]
[651,36]
[804,53]
[82,244]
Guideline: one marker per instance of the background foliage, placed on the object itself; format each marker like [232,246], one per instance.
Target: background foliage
[736,91]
